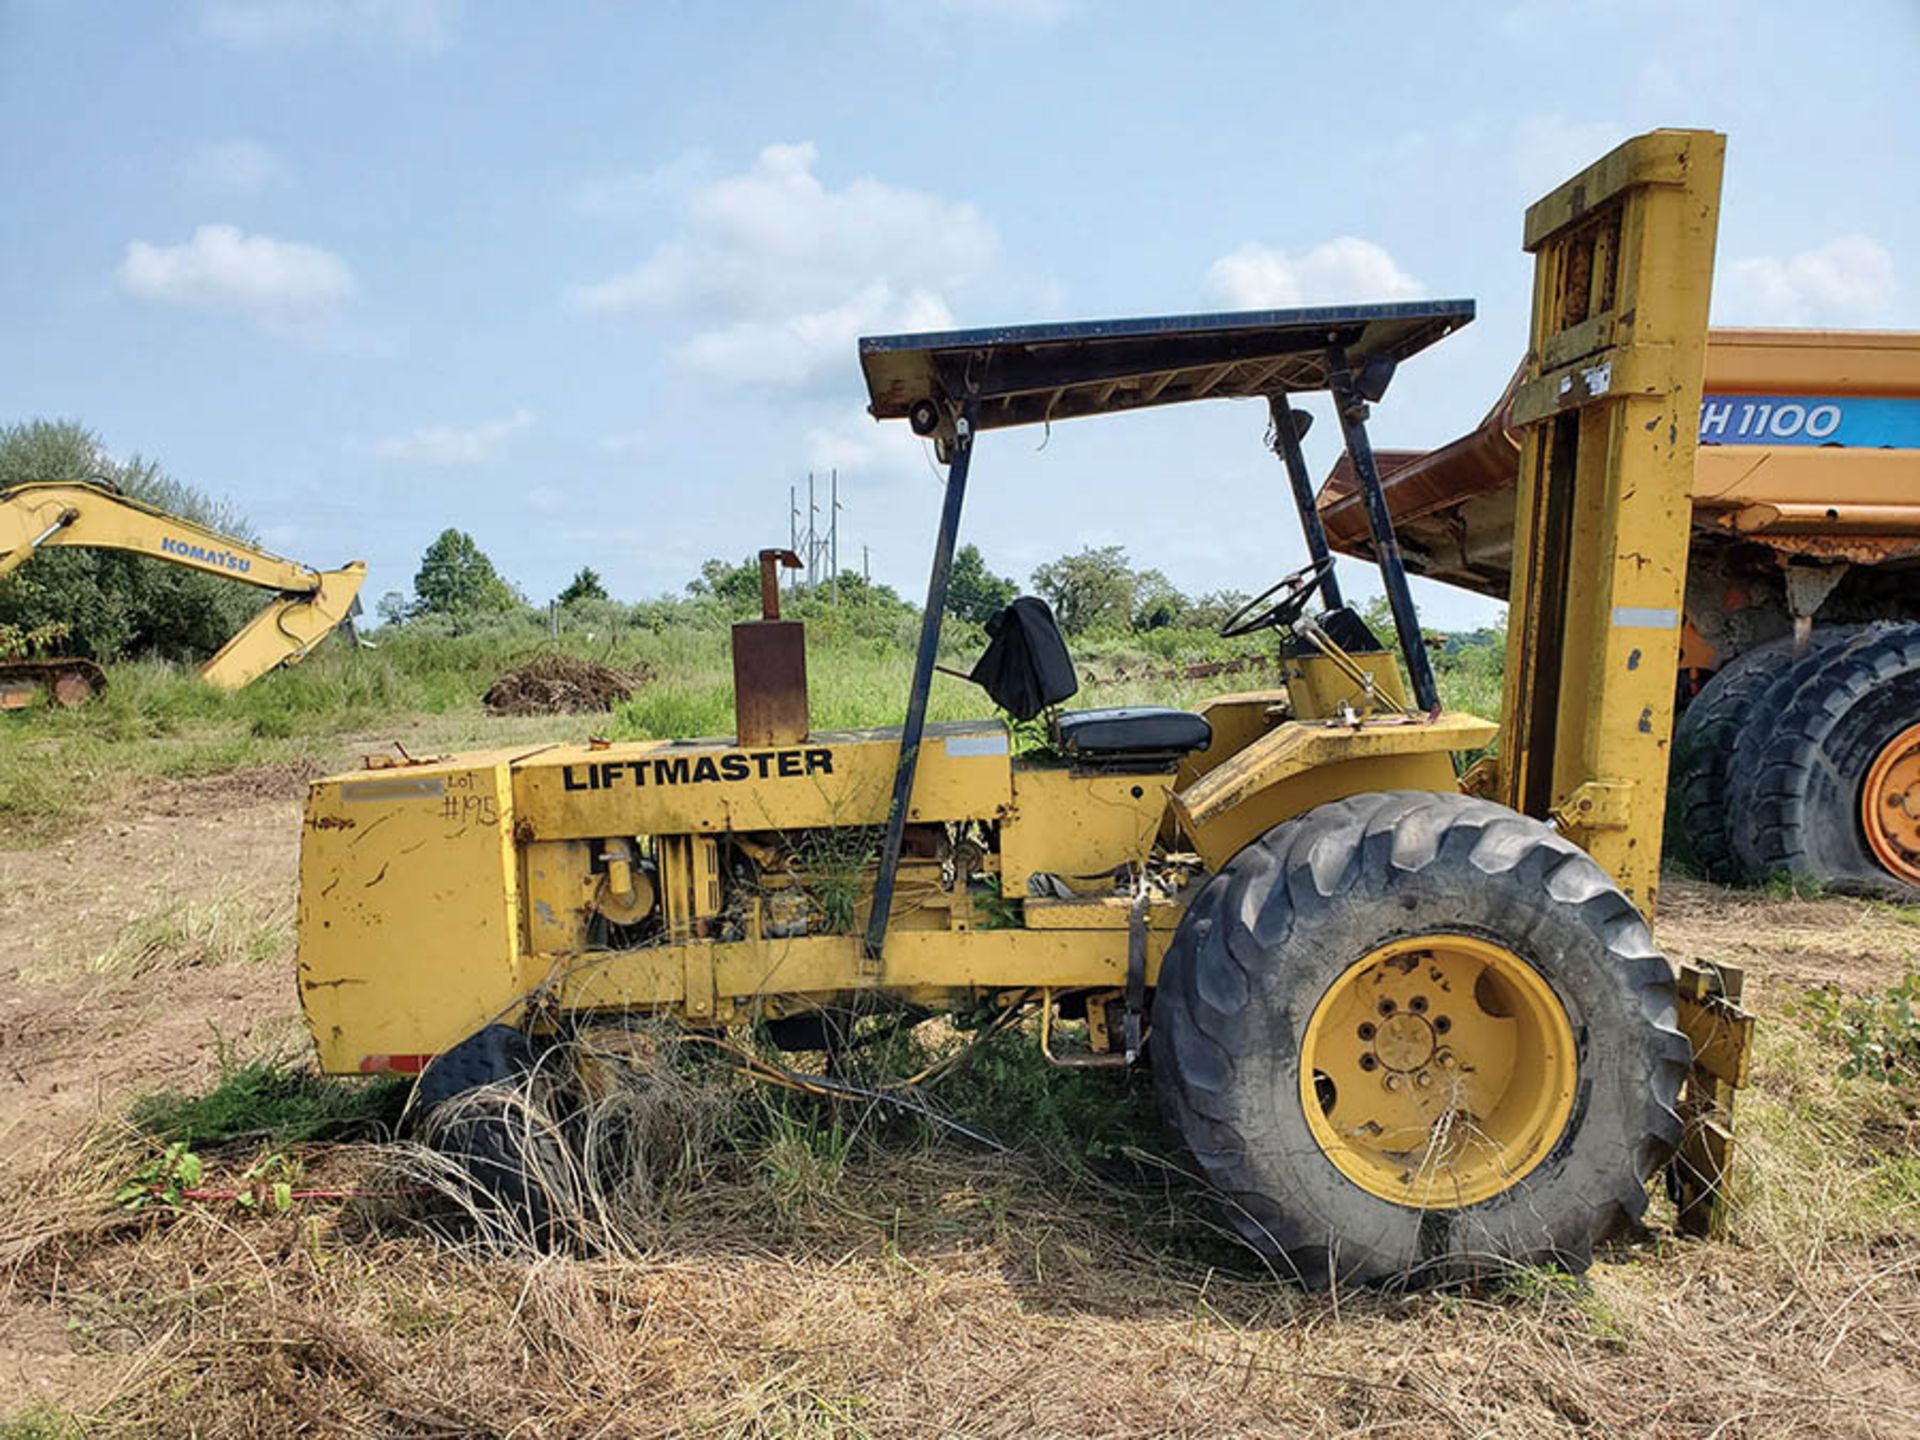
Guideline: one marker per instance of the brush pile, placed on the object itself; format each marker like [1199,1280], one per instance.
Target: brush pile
[555,684]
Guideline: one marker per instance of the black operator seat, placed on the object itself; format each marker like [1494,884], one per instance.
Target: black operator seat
[1026,669]
[1149,734]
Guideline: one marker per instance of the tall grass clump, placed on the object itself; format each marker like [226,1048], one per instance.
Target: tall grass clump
[274,1100]
[582,1153]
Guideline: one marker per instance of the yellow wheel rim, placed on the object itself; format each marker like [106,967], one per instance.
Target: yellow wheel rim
[1890,805]
[1438,1071]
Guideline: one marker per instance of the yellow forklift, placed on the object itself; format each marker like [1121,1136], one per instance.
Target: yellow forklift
[1408,1027]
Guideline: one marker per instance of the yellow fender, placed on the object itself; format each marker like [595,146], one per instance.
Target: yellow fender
[1303,763]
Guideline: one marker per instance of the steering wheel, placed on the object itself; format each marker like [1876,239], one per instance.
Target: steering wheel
[1294,593]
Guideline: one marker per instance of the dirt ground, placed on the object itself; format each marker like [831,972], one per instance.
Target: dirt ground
[1797,1325]
[74,1043]
[73,1040]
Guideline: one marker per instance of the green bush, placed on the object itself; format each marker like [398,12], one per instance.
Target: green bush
[1880,1033]
[39,1422]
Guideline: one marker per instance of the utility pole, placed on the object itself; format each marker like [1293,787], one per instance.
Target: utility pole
[866,571]
[813,519]
[793,529]
[833,539]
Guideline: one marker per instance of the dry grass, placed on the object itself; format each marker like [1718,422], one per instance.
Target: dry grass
[973,1303]
[743,1262]
[229,929]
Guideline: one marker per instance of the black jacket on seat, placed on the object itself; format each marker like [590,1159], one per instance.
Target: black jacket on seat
[1026,667]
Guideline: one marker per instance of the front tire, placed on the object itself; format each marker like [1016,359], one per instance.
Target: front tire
[1307,1109]
[475,1108]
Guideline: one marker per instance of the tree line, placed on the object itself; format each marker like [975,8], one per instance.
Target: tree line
[1094,591]
[110,605]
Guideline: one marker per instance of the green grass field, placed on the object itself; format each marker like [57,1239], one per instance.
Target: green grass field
[421,684]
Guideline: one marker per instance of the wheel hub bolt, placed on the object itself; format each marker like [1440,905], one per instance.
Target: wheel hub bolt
[1393,1081]
[1423,1080]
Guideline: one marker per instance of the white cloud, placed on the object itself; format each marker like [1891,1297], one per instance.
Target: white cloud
[423,25]
[1340,271]
[277,282]
[245,167]
[454,444]
[791,349]
[1848,280]
[860,448]
[626,442]
[778,272]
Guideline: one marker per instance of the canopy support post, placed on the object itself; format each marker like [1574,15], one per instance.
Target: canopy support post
[1289,426]
[1351,407]
[959,461]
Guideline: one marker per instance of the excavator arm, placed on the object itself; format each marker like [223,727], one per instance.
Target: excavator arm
[307,604]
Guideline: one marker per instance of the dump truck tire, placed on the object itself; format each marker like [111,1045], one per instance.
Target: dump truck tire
[1827,649]
[1276,1047]
[1834,795]
[1703,744]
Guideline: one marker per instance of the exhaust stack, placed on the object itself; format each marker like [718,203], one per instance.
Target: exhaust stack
[770,666]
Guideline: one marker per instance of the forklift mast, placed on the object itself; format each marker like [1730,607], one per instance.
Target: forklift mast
[1609,406]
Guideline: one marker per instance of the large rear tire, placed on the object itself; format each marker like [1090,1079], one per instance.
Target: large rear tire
[1834,796]
[1324,971]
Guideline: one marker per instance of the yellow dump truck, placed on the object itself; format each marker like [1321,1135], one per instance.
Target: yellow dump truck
[1799,747]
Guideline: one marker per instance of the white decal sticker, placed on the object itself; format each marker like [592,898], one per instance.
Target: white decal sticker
[960,746]
[1640,617]
[414,787]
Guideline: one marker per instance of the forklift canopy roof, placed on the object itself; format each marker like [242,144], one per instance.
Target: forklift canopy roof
[1025,374]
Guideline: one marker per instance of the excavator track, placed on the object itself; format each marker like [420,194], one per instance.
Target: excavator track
[65,683]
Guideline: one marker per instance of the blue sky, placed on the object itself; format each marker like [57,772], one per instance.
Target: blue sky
[584,279]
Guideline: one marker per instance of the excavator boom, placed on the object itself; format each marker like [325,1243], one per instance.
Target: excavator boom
[306,606]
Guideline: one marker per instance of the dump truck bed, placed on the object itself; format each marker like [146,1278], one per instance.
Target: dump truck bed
[1810,445]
